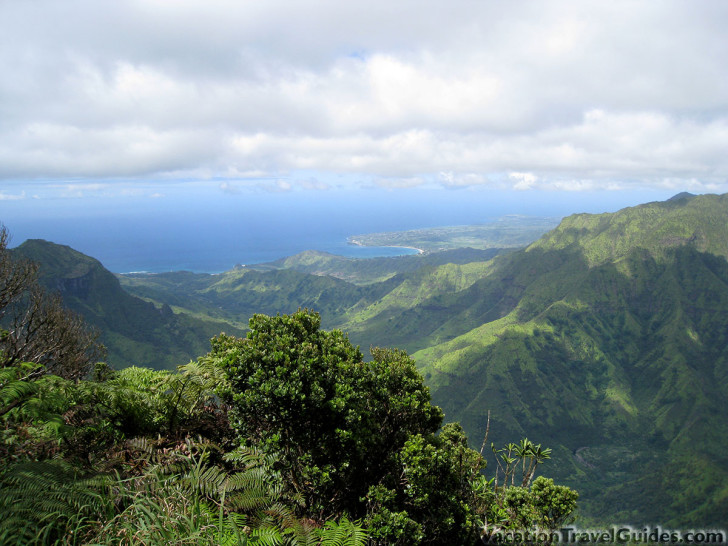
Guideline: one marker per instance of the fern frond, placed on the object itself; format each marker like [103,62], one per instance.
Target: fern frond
[266,536]
[49,498]
[343,533]
[12,389]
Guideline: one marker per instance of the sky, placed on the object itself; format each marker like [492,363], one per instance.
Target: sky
[609,103]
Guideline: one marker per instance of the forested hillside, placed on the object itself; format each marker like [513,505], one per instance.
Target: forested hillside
[133,331]
[608,336]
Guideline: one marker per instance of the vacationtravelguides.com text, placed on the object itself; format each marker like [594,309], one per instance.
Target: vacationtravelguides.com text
[613,535]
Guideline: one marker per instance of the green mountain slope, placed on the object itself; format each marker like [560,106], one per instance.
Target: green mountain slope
[134,332]
[699,222]
[234,296]
[370,270]
[364,311]
[607,340]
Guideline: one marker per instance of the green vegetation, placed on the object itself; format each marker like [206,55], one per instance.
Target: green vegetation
[370,270]
[358,309]
[613,351]
[121,467]
[284,437]
[35,327]
[603,338]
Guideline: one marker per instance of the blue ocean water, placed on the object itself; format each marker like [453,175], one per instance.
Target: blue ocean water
[211,232]
[128,243]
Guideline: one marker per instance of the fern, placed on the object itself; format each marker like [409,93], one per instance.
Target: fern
[47,501]
[343,533]
[13,389]
[164,509]
[177,499]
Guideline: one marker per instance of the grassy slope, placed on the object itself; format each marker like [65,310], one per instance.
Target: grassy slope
[361,309]
[236,295]
[699,222]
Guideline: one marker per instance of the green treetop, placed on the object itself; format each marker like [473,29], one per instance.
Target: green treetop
[334,421]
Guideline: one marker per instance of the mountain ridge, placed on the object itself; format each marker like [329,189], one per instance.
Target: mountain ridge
[628,347]
[134,331]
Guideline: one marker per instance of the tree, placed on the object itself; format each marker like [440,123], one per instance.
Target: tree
[525,454]
[540,505]
[360,439]
[434,498]
[554,504]
[334,422]
[34,325]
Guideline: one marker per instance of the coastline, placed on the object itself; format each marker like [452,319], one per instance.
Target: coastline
[354,242]
[419,250]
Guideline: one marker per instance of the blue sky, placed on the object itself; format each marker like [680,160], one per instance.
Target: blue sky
[567,101]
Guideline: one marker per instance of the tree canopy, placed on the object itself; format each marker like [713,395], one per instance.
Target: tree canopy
[334,421]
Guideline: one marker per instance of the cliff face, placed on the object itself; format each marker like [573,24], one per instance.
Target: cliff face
[67,271]
[78,286]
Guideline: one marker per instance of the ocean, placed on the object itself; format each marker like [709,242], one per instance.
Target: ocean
[211,232]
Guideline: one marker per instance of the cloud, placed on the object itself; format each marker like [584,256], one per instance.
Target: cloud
[227,187]
[11,196]
[523,181]
[400,183]
[458,180]
[576,94]
[274,186]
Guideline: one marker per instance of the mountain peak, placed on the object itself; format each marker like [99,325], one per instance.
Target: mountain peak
[59,261]
[682,195]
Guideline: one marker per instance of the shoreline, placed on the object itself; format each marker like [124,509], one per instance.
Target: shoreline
[419,250]
[354,242]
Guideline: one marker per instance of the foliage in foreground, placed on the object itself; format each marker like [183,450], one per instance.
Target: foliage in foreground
[361,438]
[285,437]
[138,489]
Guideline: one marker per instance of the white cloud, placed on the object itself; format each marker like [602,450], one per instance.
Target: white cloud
[227,187]
[454,180]
[11,196]
[523,181]
[575,94]
[400,183]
